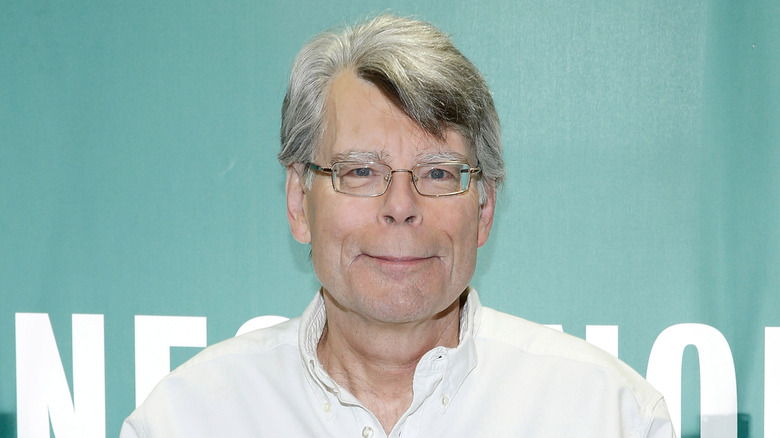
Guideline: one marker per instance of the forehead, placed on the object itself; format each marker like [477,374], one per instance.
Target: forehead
[361,122]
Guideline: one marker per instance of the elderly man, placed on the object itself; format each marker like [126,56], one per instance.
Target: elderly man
[392,148]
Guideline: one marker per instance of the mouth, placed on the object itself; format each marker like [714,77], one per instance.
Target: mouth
[399,261]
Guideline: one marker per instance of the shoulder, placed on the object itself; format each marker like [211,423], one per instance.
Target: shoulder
[255,343]
[537,344]
[562,382]
[536,339]
[261,355]
[220,382]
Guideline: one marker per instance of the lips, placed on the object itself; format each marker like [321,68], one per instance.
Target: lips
[397,262]
[398,259]
[396,251]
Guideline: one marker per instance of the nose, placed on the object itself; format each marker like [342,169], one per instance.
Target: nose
[400,200]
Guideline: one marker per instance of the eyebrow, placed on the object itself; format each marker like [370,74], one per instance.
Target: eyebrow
[382,156]
[362,156]
[432,157]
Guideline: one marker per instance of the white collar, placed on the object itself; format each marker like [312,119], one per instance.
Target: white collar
[460,360]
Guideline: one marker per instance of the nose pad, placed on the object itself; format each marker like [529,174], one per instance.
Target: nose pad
[392,172]
[400,204]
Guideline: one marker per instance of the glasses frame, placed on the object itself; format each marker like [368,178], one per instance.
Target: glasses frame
[389,177]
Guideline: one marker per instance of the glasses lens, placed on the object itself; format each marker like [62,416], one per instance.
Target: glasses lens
[362,179]
[442,178]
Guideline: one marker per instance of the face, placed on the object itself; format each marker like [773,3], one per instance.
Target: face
[395,258]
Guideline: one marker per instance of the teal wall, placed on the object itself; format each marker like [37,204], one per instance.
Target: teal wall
[642,138]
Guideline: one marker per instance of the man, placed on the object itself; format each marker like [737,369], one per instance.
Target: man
[392,149]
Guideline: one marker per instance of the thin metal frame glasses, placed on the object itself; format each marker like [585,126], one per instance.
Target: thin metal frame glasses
[370,179]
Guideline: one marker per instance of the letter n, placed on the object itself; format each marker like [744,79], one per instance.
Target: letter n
[41,387]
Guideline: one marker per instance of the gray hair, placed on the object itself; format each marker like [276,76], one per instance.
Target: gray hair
[417,67]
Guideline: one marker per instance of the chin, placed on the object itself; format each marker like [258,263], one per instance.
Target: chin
[403,306]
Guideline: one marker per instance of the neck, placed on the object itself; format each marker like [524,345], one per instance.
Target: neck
[375,361]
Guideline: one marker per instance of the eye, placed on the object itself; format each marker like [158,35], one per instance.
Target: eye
[437,174]
[361,172]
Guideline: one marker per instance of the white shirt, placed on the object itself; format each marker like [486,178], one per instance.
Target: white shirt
[508,377]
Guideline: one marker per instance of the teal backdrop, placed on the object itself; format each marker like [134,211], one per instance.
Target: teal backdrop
[642,139]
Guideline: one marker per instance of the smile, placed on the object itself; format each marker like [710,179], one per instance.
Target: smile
[400,262]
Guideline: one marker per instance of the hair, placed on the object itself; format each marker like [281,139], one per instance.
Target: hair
[417,68]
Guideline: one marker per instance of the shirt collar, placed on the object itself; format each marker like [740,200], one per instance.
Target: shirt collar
[309,333]
[460,360]
[463,358]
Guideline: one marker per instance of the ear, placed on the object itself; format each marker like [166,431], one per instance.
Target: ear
[486,211]
[296,200]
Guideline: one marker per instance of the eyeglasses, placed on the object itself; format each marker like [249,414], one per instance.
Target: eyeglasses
[369,179]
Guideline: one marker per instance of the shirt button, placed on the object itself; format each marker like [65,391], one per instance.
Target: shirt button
[445,400]
[326,407]
[368,432]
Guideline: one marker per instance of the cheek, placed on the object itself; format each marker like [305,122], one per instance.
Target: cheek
[458,221]
[462,226]
[333,220]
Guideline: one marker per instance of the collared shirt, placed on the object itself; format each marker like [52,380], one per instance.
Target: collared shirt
[508,377]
